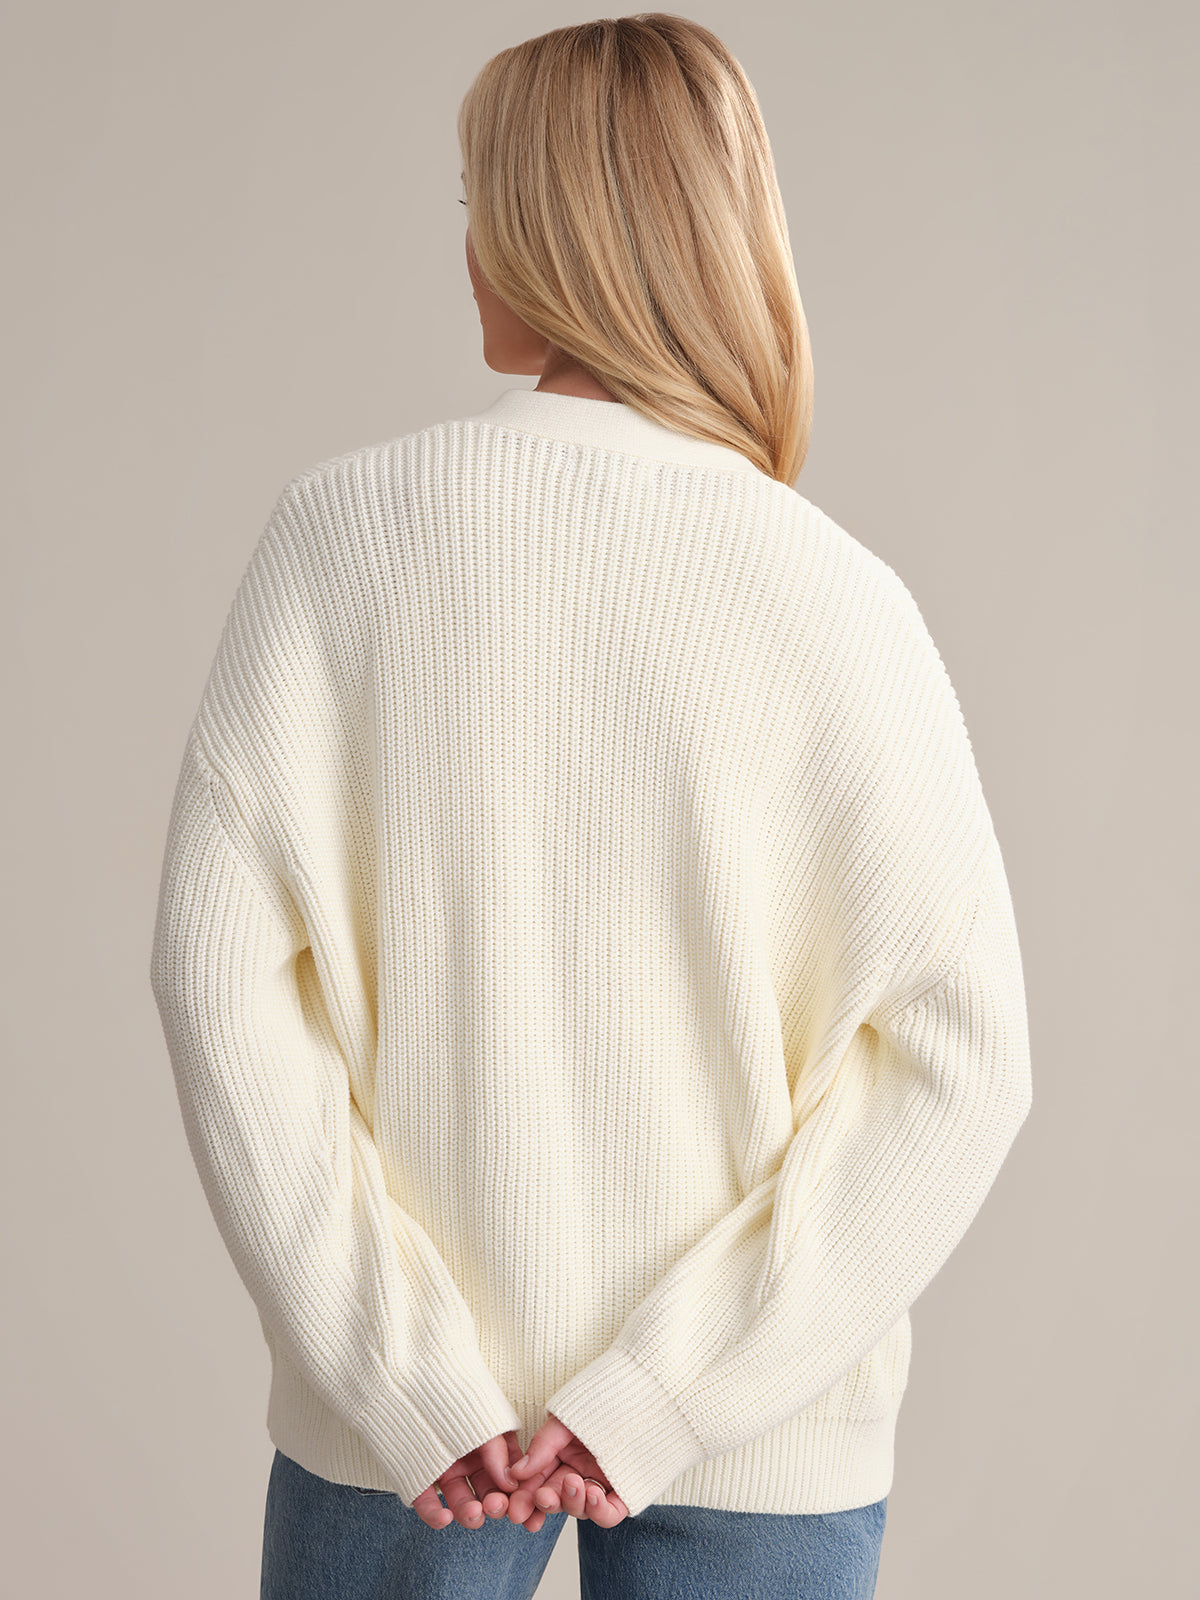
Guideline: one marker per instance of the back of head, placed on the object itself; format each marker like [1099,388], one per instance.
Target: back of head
[623,201]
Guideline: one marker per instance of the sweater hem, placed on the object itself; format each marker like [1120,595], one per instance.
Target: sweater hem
[808,1465]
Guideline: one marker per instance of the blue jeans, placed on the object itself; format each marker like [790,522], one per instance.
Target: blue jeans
[323,1540]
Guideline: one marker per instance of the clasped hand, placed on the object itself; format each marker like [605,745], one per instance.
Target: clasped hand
[552,1479]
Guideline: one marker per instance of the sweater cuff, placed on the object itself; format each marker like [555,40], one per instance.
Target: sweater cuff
[417,1427]
[638,1433]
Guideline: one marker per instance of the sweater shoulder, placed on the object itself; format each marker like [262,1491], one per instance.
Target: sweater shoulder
[322,512]
[844,592]
[821,558]
[326,482]
[382,454]
[370,485]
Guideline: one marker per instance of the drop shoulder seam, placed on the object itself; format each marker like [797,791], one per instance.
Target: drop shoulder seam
[943,976]
[271,891]
[939,984]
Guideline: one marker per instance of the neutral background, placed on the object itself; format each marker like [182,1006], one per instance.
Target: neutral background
[236,250]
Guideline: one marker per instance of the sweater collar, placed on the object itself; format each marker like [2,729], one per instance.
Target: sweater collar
[608,424]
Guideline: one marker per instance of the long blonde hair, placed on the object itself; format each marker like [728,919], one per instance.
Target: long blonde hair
[623,202]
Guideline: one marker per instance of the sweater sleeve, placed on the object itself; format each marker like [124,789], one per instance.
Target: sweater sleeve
[791,1289]
[349,1283]
[902,1012]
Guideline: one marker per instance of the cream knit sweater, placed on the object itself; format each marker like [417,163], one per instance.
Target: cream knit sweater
[586,962]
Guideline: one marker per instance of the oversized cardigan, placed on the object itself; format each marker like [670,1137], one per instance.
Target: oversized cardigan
[586,962]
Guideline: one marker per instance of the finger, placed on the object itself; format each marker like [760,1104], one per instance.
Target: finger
[462,1500]
[431,1510]
[489,1487]
[521,1502]
[492,1501]
[549,1496]
[533,1523]
[598,1502]
[573,1495]
[494,1455]
[542,1455]
[522,1510]
[607,1509]
[556,1485]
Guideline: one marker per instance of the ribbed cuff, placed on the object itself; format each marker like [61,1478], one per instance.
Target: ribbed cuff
[634,1428]
[436,1414]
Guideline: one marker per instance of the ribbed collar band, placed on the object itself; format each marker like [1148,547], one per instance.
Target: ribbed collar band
[610,424]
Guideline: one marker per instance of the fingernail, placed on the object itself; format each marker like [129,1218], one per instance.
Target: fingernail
[593,1498]
[517,1465]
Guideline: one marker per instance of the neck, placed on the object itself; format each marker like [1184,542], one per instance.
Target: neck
[561,374]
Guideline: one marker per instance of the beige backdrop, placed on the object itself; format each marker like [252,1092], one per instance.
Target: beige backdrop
[235,250]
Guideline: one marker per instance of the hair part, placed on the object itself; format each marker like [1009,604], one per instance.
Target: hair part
[623,201]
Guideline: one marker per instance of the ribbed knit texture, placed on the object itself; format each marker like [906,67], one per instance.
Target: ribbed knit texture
[586,962]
